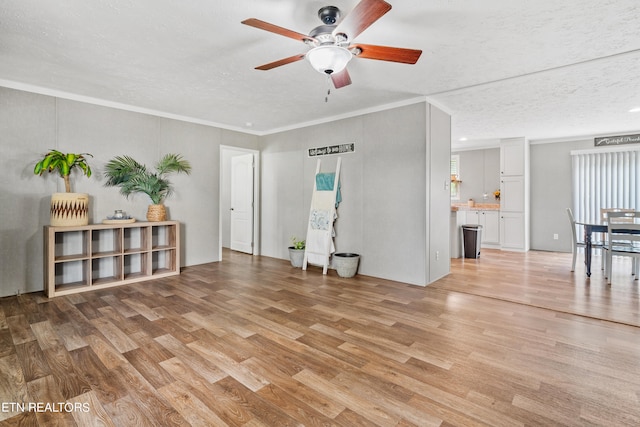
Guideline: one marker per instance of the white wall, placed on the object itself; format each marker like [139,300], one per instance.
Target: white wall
[439,195]
[551,193]
[384,187]
[480,173]
[32,124]
[385,183]
[27,131]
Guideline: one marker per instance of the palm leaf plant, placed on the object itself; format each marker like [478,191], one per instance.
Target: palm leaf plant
[64,164]
[133,177]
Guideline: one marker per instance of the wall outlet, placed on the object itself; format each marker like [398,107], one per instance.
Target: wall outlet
[437,255]
[555,236]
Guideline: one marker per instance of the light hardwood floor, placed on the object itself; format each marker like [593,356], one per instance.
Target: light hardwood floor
[252,341]
[544,279]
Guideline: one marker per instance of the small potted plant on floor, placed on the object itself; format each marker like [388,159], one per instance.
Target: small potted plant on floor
[133,177]
[68,208]
[296,252]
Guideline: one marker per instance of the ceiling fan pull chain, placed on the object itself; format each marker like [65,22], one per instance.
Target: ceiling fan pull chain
[326,98]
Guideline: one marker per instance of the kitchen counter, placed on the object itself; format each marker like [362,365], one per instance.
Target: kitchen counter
[477,207]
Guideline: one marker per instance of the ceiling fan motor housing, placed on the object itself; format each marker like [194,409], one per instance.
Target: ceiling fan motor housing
[323,34]
[329,15]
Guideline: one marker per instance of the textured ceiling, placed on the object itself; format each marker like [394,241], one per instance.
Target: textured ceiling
[502,68]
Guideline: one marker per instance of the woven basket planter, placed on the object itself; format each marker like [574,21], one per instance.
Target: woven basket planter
[156,213]
[69,209]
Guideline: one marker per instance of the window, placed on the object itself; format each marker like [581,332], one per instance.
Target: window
[455,173]
[604,180]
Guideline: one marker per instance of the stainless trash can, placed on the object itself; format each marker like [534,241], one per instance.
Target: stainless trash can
[471,238]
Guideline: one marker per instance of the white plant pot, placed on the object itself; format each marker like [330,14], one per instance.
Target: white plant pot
[346,264]
[296,256]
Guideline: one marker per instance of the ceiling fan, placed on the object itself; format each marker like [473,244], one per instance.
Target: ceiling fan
[331,43]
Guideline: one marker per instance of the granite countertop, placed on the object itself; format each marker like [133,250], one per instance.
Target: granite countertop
[477,207]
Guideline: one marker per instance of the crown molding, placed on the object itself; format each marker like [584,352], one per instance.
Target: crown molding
[120,106]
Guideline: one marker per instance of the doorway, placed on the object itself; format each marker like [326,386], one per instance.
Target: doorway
[239,200]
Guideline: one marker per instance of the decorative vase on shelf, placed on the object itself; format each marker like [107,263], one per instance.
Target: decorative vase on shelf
[69,209]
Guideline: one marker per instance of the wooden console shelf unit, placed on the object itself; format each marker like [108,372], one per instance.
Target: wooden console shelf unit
[95,256]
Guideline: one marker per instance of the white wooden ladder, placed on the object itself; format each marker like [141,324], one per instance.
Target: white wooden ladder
[322,213]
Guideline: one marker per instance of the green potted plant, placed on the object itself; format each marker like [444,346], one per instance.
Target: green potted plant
[296,252]
[133,177]
[67,208]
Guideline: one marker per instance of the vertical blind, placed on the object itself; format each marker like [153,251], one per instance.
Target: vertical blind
[604,180]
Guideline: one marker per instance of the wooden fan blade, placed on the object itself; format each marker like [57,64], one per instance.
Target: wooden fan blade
[386,53]
[280,62]
[262,25]
[361,17]
[341,79]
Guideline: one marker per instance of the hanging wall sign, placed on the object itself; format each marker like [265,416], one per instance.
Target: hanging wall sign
[332,149]
[616,140]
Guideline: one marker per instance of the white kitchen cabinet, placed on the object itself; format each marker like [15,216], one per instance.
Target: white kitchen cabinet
[490,222]
[512,230]
[512,194]
[473,217]
[454,235]
[512,157]
[462,217]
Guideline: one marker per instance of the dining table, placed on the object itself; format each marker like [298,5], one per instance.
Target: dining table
[591,227]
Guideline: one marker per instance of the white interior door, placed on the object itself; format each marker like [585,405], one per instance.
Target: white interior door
[242,203]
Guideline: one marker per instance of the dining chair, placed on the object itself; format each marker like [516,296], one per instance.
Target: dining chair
[575,243]
[604,212]
[623,239]
[604,216]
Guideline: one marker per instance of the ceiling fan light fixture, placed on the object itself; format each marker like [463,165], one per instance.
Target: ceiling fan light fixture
[329,59]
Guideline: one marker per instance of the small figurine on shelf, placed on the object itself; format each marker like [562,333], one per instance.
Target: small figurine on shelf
[496,194]
[119,217]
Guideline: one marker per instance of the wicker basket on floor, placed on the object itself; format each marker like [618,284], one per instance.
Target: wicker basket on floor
[156,213]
